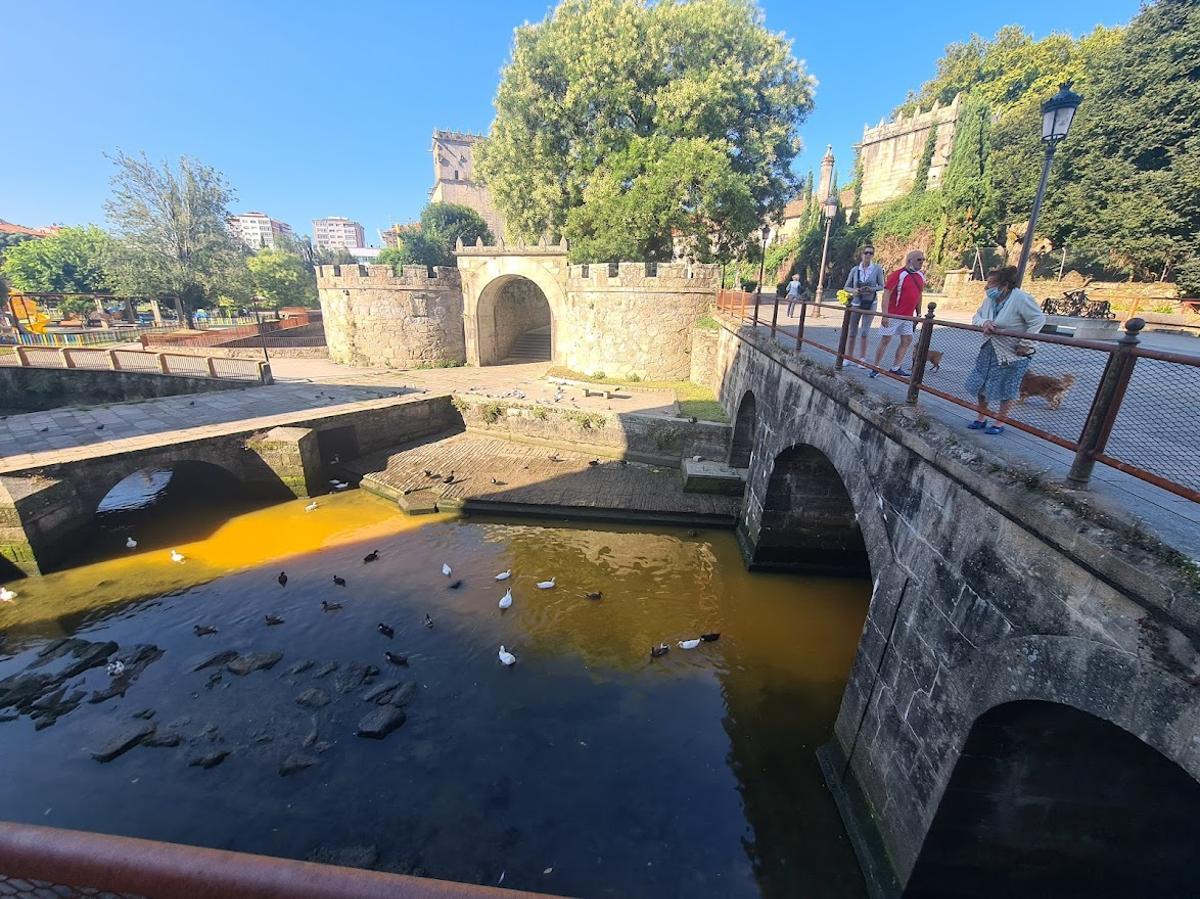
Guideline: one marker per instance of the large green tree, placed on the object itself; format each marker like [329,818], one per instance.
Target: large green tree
[605,96]
[69,260]
[282,278]
[174,234]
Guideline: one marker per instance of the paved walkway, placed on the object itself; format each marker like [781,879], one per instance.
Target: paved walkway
[1147,431]
[502,475]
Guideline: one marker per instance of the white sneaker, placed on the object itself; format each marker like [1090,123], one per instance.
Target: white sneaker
[848,364]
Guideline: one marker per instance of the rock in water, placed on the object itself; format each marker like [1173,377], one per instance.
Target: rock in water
[296,762]
[353,677]
[219,658]
[326,669]
[255,661]
[378,724]
[380,690]
[403,695]
[209,759]
[124,741]
[312,698]
[163,741]
[300,667]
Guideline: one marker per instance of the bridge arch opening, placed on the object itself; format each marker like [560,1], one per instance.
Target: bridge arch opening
[1047,800]
[745,426]
[808,520]
[515,322]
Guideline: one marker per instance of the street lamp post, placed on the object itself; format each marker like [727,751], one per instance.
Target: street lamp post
[1057,114]
[762,264]
[829,210]
[262,335]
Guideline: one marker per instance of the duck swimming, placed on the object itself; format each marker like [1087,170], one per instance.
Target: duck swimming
[385,630]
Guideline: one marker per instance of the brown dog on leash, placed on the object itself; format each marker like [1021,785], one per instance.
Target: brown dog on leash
[1048,387]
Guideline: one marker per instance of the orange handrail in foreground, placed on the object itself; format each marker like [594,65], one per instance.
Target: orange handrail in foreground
[155,870]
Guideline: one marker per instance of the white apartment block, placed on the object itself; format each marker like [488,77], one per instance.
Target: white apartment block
[335,231]
[257,229]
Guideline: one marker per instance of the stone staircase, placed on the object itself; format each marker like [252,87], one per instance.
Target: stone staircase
[532,346]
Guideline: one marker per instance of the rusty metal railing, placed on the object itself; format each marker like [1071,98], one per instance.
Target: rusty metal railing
[48,861]
[1139,406]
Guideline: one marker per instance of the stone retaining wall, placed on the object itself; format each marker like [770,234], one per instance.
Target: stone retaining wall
[37,389]
[636,322]
[376,317]
[704,357]
[960,290]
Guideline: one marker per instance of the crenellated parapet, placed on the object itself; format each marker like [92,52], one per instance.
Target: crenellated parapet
[890,153]
[645,276]
[417,277]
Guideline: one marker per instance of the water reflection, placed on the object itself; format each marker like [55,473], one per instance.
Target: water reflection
[687,775]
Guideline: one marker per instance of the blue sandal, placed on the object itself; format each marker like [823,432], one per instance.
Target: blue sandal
[994,429]
[977,425]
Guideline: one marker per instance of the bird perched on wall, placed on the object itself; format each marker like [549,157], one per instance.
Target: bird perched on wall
[449,479]
[385,630]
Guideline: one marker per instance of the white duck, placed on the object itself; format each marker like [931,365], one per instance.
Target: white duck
[115,668]
[446,569]
[130,543]
[311,507]
[504,575]
[506,658]
[506,600]
[7,595]
[177,556]
[689,644]
[546,585]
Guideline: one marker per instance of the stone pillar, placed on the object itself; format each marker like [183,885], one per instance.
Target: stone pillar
[39,518]
[292,459]
[156,311]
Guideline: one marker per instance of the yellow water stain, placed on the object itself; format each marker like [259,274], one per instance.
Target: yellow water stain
[243,540]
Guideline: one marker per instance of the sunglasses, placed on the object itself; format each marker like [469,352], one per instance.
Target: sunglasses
[868,252]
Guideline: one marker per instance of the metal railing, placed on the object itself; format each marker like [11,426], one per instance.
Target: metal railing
[50,861]
[89,337]
[271,332]
[1117,403]
[140,361]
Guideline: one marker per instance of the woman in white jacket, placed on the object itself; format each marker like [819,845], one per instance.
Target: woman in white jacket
[1002,360]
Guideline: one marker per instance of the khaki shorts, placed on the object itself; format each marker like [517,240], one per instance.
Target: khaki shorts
[893,326]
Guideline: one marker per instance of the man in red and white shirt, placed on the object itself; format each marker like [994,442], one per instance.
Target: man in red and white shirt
[901,296]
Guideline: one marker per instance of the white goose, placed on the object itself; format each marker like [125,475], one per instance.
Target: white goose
[506,600]
[504,575]
[130,543]
[177,556]
[507,659]
[7,595]
[446,569]
[689,644]
[546,585]
[311,507]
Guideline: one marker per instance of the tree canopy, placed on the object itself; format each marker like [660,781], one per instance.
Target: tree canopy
[623,124]
[282,278]
[68,260]
[431,241]
[173,231]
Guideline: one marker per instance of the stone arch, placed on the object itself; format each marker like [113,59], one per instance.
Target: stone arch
[745,427]
[1046,799]
[513,319]
[484,279]
[808,520]
[97,494]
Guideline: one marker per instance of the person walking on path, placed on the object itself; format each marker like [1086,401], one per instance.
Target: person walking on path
[863,283]
[1002,360]
[901,296]
[795,294]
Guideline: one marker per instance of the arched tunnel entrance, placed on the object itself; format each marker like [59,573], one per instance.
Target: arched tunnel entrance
[1046,800]
[744,428]
[808,522]
[514,321]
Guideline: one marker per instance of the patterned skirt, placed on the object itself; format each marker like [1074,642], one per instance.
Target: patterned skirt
[995,381]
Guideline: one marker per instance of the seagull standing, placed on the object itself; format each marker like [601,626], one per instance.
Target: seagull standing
[507,659]
[311,507]
[506,600]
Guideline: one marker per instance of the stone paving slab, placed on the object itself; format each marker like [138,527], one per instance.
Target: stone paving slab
[529,478]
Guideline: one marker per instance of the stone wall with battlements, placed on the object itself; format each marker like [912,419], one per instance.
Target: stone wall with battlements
[376,317]
[891,152]
[633,318]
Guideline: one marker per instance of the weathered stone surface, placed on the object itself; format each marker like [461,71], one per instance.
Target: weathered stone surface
[404,695]
[209,759]
[124,741]
[313,698]
[295,762]
[255,661]
[378,724]
[366,856]
[163,740]
[379,692]
[353,677]
[300,667]
[325,670]
[217,658]
[712,477]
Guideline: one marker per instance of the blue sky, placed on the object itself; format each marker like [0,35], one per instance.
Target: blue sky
[314,109]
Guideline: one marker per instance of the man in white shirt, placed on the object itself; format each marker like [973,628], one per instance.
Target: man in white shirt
[795,293]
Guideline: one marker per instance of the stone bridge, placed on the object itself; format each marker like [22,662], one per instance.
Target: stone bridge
[45,508]
[1022,714]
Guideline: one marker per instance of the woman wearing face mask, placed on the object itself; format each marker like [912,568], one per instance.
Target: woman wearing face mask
[1002,360]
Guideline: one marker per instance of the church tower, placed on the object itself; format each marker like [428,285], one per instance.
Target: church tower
[825,185]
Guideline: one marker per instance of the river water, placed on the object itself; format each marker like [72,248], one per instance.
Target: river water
[586,769]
